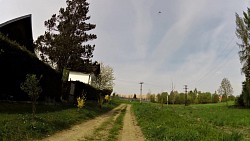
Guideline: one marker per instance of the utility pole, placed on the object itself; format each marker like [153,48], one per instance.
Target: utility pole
[167,99]
[141,91]
[172,91]
[172,88]
[186,88]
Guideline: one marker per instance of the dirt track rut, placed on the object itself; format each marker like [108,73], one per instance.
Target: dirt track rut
[131,131]
[81,132]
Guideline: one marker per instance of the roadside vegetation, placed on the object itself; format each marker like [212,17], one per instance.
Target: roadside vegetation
[193,96]
[15,119]
[194,122]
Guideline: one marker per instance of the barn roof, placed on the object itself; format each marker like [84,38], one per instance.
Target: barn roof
[19,30]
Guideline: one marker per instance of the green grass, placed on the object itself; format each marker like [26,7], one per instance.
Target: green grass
[194,122]
[118,124]
[16,120]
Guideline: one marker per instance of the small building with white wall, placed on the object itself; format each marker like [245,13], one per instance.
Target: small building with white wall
[86,78]
[84,72]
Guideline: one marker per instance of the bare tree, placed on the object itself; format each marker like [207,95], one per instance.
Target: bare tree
[225,88]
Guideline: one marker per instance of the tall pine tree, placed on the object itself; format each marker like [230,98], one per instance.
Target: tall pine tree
[243,32]
[66,32]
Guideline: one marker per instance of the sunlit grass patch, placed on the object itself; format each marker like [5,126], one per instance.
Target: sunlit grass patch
[177,122]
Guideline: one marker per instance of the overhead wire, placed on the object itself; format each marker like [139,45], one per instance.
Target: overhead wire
[135,82]
[219,65]
[212,70]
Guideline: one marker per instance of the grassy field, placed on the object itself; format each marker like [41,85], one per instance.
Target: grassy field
[194,122]
[172,122]
[16,120]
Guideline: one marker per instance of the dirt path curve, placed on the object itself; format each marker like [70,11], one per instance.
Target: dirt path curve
[78,132]
[131,131]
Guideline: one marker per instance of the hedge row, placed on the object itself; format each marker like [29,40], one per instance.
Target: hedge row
[16,62]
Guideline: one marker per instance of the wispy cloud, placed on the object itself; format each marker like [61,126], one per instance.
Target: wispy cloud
[185,42]
[142,26]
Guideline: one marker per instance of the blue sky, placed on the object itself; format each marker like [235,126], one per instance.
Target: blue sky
[187,42]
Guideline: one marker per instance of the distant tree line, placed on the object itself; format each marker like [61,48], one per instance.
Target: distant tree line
[193,97]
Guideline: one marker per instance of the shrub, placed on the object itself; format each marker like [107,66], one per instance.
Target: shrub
[107,98]
[32,87]
[239,101]
[81,102]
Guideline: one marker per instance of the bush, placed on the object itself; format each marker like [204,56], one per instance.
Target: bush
[32,87]
[239,101]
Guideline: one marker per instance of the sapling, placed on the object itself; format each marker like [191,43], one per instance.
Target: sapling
[32,87]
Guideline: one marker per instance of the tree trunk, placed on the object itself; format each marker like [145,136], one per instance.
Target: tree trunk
[227,102]
[33,109]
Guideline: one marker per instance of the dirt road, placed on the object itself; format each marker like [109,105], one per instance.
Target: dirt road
[131,131]
[99,128]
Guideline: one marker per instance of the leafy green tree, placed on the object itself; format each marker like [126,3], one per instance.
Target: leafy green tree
[224,98]
[180,99]
[164,97]
[239,101]
[192,97]
[245,94]
[231,98]
[195,91]
[215,98]
[172,97]
[152,98]
[225,88]
[148,96]
[158,98]
[66,32]
[204,98]
[32,87]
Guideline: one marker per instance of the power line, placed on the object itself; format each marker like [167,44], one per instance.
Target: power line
[128,81]
[217,67]
[135,82]
[214,69]
[160,86]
